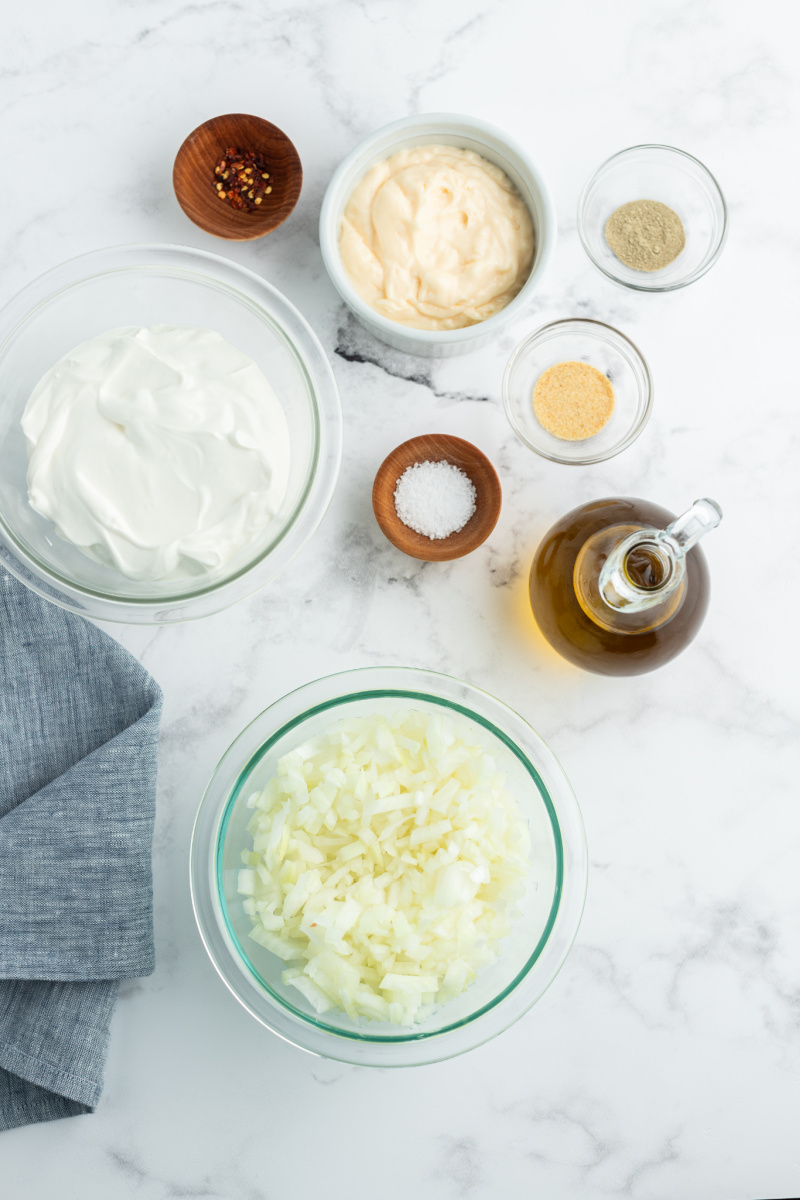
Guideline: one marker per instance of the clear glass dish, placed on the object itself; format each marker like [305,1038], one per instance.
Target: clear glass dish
[174,285]
[531,956]
[579,340]
[677,180]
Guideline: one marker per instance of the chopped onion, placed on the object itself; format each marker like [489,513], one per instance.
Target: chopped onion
[387,863]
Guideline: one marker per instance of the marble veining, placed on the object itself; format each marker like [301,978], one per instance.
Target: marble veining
[665,1059]
[355,345]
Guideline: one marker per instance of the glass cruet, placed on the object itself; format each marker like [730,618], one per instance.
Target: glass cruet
[620,586]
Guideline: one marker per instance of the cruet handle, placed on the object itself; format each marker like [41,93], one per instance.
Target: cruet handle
[695,523]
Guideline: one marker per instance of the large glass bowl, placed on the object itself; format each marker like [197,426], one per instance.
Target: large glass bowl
[530,957]
[173,285]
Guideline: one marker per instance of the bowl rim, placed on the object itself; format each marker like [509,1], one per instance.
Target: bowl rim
[674,286]
[633,432]
[320,482]
[291,1023]
[546,233]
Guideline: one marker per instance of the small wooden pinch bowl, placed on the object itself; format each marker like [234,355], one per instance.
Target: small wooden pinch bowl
[438,447]
[195,182]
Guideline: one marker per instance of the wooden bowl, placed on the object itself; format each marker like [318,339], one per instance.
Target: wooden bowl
[438,447]
[195,182]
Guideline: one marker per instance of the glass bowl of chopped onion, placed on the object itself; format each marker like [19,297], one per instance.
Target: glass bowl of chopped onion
[388,867]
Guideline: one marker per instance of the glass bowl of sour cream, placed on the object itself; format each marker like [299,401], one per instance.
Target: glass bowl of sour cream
[445,232]
[229,325]
[395,764]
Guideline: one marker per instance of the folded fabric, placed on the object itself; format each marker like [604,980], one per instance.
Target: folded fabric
[79,723]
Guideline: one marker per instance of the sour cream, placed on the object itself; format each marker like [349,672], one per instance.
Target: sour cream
[162,452]
[436,237]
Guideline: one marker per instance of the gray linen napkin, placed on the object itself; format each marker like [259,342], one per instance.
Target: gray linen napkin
[78,739]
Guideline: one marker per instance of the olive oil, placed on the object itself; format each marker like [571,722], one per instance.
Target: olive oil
[619,587]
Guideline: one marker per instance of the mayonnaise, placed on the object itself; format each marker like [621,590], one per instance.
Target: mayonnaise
[162,452]
[436,238]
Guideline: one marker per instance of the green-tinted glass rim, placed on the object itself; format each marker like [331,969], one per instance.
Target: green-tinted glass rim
[382,694]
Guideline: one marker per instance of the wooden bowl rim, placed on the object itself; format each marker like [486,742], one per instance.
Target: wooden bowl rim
[478,527]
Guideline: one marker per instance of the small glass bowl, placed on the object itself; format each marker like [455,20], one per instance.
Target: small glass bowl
[579,340]
[530,957]
[677,180]
[171,285]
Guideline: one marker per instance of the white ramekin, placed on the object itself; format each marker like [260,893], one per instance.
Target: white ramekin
[447,129]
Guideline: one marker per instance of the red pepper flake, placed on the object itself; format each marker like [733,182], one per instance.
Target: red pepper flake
[241,177]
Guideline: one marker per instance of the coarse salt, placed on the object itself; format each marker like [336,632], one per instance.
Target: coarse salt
[434,499]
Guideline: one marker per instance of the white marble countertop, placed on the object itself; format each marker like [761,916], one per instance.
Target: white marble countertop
[664,1061]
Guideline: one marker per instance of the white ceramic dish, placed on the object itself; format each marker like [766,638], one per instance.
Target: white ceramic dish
[450,130]
[172,285]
